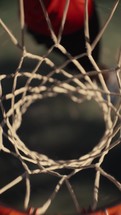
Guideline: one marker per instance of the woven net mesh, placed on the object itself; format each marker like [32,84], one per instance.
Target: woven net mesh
[78,88]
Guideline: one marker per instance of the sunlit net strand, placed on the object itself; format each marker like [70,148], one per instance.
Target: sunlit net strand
[31,94]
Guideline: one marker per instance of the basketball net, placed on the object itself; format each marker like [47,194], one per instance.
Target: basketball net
[78,87]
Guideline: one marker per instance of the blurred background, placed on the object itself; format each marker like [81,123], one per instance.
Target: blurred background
[57,126]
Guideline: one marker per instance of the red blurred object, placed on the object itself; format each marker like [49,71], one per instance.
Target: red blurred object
[72,38]
[9,211]
[114,210]
[35,19]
